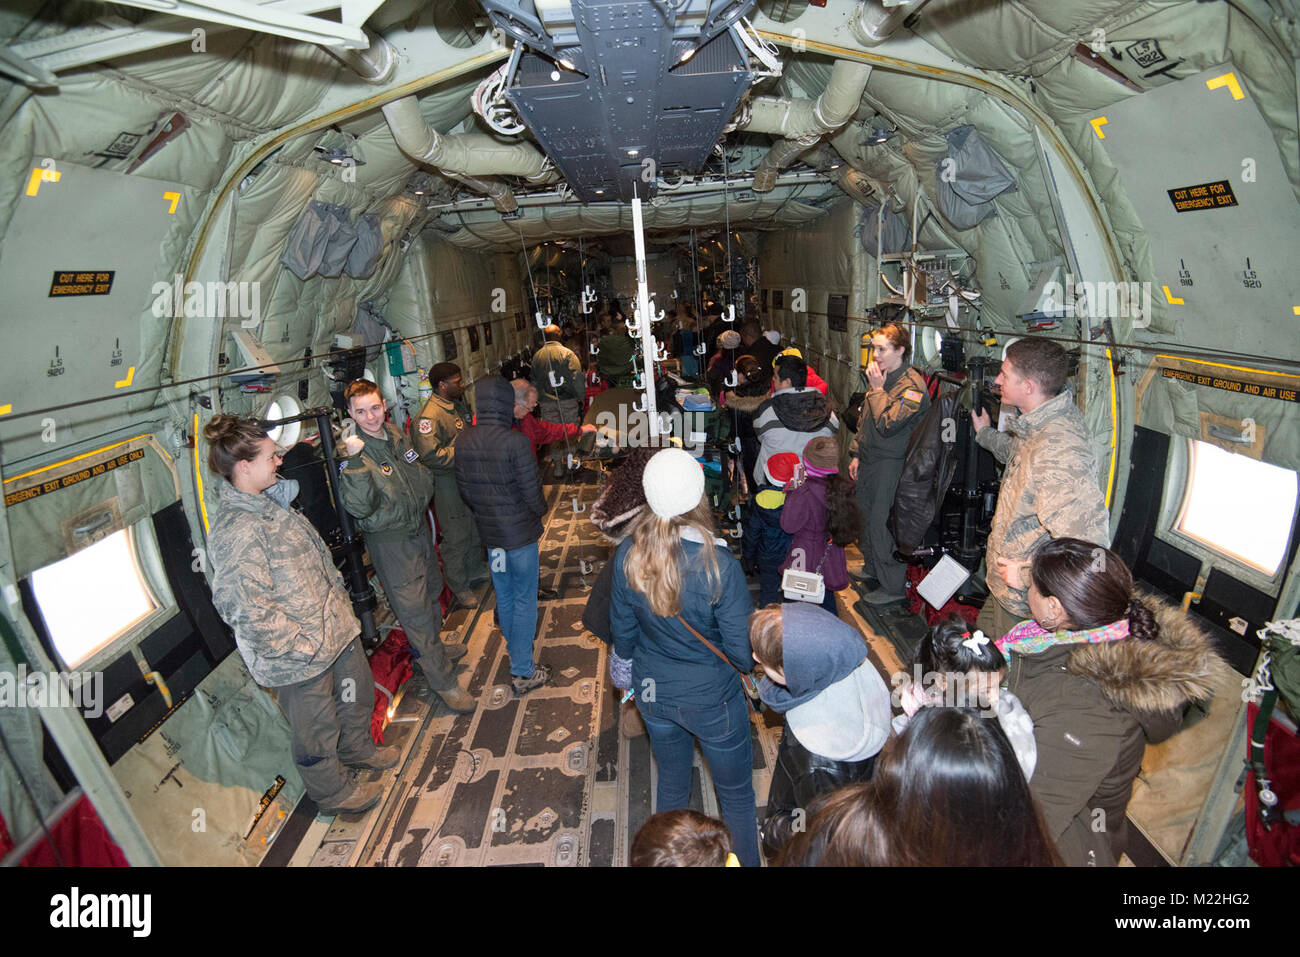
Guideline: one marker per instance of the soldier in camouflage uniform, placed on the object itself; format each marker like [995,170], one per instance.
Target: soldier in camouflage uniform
[440,423]
[386,489]
[275,584]
[1051,487]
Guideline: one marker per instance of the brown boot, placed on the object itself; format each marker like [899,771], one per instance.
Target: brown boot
[362,798]
[630,722]
[457,699]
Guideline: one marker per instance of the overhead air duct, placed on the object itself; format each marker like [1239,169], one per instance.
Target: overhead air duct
[804,122]
[375,64]
[469,157]
[875,21]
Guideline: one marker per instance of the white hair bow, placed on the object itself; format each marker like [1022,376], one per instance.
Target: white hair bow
[976,641]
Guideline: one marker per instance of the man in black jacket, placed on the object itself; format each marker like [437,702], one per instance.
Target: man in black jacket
[496,474]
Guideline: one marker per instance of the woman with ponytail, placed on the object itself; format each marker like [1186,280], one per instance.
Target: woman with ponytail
[275,584]
[676,587]
[1103,672]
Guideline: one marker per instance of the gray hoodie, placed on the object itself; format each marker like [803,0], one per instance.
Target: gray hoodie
[834,700]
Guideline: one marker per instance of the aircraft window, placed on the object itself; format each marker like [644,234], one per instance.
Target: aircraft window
[92,598]
[931,340]
[1238,506]
[284,407]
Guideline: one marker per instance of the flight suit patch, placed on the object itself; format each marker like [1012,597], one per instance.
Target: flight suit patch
[913,395]
[426,426]
[411,455]
[386,469]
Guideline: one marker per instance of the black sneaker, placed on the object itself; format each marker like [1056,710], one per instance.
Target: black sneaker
[541,675]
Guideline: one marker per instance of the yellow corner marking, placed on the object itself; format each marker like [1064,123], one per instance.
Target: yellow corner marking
[1230,81]
[6,408]
[123,383]
[1296,310]
[41,175]
[1173,300]
[175,198]
[1097,124]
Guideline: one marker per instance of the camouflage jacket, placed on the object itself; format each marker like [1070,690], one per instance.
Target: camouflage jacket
[275,584]
[1050,489]
[891,414]
[440,424]
[385,488]
[555,357]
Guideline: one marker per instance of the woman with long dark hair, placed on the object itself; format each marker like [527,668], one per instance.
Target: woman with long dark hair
[679,612]
[948,793]
[1102,672]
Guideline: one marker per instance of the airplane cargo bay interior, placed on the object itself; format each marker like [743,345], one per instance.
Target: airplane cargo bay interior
[792,247]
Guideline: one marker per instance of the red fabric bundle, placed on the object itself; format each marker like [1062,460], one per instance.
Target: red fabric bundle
[391,666]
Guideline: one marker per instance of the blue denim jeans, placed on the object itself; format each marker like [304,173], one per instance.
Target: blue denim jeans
[723,733]
[515,579]
[767,543]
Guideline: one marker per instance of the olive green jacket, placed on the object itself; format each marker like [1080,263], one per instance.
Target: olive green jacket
[385,487]
[440,423]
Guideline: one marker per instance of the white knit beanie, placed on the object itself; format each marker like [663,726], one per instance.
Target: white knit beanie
[673,482]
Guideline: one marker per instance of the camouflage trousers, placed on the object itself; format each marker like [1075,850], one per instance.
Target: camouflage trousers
[329,716]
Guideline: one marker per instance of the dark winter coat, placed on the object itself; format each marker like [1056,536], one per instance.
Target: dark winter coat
[788,421]
[496,472]
[762,350]
[928,470]
[1095,709]
[743,401]
[612,513]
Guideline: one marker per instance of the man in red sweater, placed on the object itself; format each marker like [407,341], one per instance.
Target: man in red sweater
[537,431]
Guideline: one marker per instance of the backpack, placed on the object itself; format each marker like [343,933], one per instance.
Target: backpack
[1273,761]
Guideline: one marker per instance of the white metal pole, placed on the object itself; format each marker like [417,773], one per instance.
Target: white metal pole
[644,319]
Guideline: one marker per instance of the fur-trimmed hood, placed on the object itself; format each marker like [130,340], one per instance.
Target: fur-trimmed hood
[744,403]
[1152,676]
[623,498]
